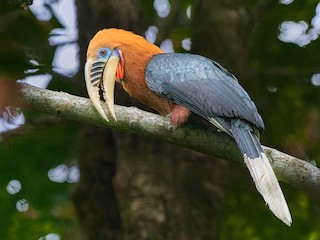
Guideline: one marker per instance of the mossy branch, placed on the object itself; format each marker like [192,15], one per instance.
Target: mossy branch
[291,170]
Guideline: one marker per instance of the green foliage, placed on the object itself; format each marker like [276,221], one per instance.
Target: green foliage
[20,3]
[280,84]
[249,218]
[284,71]
[28,159]
[24,38]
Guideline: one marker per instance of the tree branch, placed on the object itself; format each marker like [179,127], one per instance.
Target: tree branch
[291,170]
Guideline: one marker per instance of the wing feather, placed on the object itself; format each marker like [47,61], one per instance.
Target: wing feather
[207,89]
[188,80]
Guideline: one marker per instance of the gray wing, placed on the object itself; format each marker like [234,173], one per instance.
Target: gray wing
[202,86]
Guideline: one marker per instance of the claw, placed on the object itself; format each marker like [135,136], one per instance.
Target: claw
[169,115]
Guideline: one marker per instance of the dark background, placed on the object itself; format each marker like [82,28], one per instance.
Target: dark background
[135,187]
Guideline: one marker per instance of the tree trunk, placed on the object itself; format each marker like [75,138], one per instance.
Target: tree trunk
[220,31]
[163,191]
[94,198]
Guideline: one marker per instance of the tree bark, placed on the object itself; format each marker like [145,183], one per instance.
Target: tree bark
[95,197]
[289,169]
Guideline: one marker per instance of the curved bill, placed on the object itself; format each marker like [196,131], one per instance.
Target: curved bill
[100,78]
[108,82]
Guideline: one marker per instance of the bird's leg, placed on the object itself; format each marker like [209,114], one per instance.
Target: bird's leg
[179,115]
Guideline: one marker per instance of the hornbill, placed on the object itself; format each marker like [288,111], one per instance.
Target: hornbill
[176,84]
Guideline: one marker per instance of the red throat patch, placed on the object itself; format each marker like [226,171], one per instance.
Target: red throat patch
[120,68]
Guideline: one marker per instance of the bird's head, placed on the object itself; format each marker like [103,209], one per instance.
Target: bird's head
[107,53]
[104,67]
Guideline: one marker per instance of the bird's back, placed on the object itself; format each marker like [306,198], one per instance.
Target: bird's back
[187,79]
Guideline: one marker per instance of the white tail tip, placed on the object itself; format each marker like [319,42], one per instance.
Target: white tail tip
[267,184]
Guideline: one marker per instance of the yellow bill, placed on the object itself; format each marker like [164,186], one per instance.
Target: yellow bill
[100,81]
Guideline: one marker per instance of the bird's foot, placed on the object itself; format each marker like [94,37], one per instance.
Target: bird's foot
[179,116]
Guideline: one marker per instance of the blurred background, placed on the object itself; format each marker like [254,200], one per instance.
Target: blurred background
[67,180]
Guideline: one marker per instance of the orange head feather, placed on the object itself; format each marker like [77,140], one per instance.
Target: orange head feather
[136,52]
[123,40]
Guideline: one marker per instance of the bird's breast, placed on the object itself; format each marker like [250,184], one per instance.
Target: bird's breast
[140,91]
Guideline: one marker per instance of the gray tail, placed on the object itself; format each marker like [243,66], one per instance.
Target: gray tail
[261,171]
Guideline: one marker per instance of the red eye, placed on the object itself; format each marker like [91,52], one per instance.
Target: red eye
[103,52]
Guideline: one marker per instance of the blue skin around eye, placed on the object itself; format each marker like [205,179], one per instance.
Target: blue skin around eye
[115,52]
[107,55]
